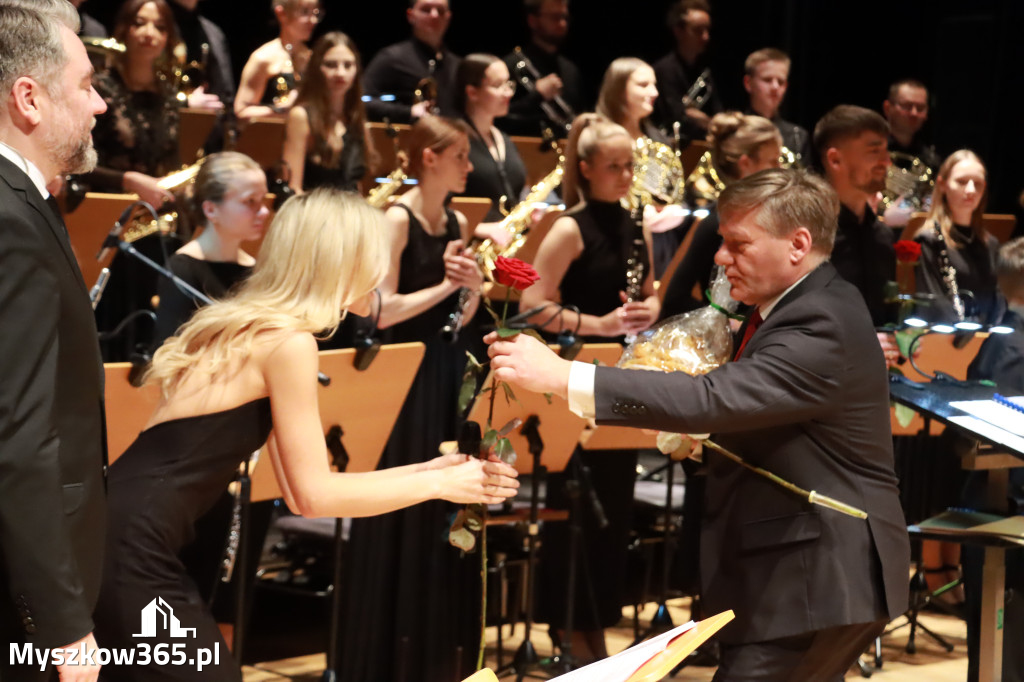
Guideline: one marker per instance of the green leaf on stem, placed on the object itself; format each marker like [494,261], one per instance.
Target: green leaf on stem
[504,450]
[490,437]
[506,333]
[535,334]
[548,396]
[509,395]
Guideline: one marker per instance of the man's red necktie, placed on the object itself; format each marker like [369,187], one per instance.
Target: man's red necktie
[752,325]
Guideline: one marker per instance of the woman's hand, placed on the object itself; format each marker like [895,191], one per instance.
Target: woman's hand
[148,189]
[200,99]
[460,267]
[468,480]
[636,315]
[493,231]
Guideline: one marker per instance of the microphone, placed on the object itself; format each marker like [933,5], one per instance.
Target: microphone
[519,321]
[114,236]
[569,345]
[96,293]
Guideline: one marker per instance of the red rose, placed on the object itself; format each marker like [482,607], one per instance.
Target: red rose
[514,273]
[908,251]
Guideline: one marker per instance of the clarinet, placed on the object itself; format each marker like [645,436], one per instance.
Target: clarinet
[557,110]
[635,262]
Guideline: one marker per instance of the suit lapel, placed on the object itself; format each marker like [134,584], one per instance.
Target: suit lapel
[18,181]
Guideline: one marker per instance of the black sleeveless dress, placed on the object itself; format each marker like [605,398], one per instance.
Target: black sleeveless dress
[411,602]
[167,479]
[592,283]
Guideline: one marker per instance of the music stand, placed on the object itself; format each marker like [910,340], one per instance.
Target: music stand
[654,659]
[474,208]
[549,433]
[88,226]
[358,411]
[127,408]
[262,139]
[196,126]
[933,401]
[538,157]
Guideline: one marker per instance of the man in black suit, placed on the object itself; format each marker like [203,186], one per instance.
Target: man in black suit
[807,399]
[51,398]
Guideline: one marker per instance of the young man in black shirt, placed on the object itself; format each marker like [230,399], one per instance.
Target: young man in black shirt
[690,21]
[766,80]
[400,70]
[554,96]
[852,144]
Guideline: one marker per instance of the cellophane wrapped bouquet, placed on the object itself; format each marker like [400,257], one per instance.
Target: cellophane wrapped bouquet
[695,342]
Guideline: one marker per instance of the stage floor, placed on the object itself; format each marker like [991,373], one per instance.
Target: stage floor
[930,662]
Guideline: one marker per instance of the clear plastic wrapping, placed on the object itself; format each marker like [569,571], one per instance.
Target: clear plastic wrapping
[695,342]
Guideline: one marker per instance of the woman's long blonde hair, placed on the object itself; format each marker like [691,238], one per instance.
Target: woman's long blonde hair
[586,135]
[324,251]
[939,213]
[611,102]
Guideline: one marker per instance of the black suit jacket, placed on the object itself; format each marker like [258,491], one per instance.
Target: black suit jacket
[51,426]
[808,401]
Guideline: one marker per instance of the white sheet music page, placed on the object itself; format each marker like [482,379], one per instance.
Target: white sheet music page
[1008,417]
[619,667]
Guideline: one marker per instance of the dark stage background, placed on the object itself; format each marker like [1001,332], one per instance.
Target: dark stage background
[969,53]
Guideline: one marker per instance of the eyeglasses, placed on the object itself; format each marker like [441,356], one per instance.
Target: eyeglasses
[314,13]
[511,85]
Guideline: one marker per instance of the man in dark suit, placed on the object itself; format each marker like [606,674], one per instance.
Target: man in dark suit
[807,399]
[51,411]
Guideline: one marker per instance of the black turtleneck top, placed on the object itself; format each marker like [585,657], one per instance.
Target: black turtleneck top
[973,257]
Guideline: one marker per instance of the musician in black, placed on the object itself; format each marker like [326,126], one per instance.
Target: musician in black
[195,31]
[906,110]
[851,142]
[766,79]
[690,21]
[550,91]
[422,63]
[90,27]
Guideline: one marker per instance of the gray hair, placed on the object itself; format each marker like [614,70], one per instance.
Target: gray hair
[785,199]
[30,40]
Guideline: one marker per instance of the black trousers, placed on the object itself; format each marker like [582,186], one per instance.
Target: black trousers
[819,656]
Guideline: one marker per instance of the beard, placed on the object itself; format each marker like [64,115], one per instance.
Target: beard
[72,153]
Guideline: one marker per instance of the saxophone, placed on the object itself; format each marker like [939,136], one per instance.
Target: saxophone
[379,195]
[517,223]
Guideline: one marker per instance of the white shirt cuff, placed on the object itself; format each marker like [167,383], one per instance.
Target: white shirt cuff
[581,389]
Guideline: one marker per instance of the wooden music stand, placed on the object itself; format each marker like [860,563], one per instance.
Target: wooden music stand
[196,126]
[552,432]
[385,146]
[999,225]
[652,659]
[262,139]
[364,404]
[128,408]
[89,224]
[611,437]
[538,157]
[474,208]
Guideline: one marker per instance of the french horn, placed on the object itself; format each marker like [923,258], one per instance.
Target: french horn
[908,177]
[658,175]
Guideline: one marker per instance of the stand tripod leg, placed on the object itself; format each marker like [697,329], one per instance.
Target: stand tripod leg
[662,619]
[333,671]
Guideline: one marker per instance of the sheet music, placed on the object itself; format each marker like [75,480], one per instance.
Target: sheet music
[619,667]
[993,433]
[1003,416]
